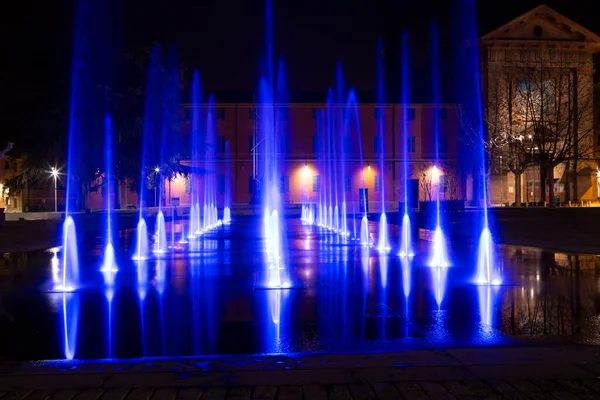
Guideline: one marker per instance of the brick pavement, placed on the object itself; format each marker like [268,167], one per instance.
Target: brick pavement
[559,372]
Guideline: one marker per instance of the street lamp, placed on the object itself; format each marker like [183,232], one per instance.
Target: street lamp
[54,173]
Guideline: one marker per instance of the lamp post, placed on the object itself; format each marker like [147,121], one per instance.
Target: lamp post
[54,173]
[156,171]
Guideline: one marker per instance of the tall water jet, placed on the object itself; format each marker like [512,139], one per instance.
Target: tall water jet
[151,129]
[90,55]
[439,257]
[141,249]
[406,246]
[354,117]
[160,243]
[470,88]
[109,251]
[273,111]
[383,245]
[197,152]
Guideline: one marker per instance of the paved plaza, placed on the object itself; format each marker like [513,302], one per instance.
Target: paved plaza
[540,372]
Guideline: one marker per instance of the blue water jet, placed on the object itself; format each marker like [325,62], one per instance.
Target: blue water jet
[439,256]
[406,246]
[109,263]
[383,246]
[470,58]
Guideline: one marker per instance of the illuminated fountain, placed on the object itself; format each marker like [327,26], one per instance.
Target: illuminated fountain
[487,273]
[383,245]
[439,256]
[272,111]
[160,235]
[406,247]
[70,258]
[141,249]
[109,264]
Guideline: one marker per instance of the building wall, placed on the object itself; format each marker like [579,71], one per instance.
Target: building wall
[362,162]
[9,168]
[556,56]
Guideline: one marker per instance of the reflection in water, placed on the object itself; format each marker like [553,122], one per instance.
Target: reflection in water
[487,296]
[109,281]
[438,283]
[204,305]
[406,265]
[70,321]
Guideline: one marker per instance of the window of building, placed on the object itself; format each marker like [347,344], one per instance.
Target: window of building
[6,165]
[377,144]
[377,113]
[442,113]
[221,184]
[535,98]
[347,183]
[443,183]
[315,144]
[15,168]
[221,114]
[412,144]
[316,186]
[252,113]
[443,144]
[15,202]
[188,184]
[410,114]
[284,184]
[377,183]
[315,113]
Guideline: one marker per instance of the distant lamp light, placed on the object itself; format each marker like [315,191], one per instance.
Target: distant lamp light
[368,167]
[54,172]
[305,171]
[435,174]
[157,169]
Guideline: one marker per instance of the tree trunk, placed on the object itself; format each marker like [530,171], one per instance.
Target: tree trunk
[518,178]
[550,184]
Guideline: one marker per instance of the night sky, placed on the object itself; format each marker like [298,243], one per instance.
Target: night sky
[224,39]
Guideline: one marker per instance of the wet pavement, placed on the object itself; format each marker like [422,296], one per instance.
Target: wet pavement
[540,372]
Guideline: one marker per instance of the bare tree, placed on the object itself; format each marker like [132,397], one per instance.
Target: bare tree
[538,112]
[553,108]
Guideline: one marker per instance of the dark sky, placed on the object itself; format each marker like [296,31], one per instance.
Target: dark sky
[224,39]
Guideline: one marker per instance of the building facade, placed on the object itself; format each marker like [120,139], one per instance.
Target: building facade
[374,153]
[9,168]
[540,109]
